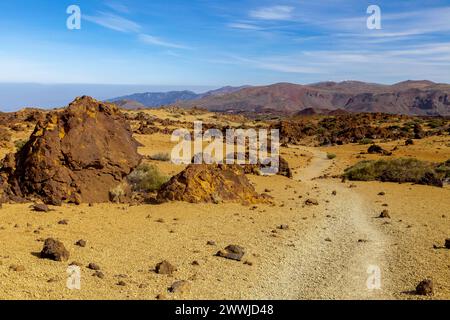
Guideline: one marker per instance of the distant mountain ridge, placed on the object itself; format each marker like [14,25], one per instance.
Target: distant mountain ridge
[408,97]
[157,99]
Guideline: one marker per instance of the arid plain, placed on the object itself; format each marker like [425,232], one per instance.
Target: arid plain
[295,248]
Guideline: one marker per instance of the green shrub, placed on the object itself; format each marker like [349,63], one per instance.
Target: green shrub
[160,157]
[147,178]
[366,141]
[331,156]
[397,170]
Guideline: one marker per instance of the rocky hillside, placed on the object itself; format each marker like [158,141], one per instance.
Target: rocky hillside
[409,97]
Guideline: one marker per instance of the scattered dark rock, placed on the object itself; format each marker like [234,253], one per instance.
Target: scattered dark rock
[54,250]
[334,193]
[283,227]
[232,252]
[447,243]
[40,207]
[385,214]
[81,243]
[161,297]
[180,287]
[165,267]
[99,274]
[248,262]
[409,142]
[121,283]
[382,193]
[376,149]
[195,263]
[211,243]
[93,266]
[312,202]
[425,288]
[63,222]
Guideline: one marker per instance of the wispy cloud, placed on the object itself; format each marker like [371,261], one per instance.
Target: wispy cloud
[118,7]
[113,22]
[273,13]
[243,26]
[148,39]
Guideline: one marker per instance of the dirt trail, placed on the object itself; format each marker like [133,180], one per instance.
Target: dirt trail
[332,260]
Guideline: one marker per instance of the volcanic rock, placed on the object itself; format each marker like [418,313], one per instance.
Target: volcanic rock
[75,155]
[373,149]
[181,286]
[207,183]
[81,243]
[40,207]
[385,214]
[232,252]
[425,288]
[54,250]
[312,202]
[93,266]
[165,268]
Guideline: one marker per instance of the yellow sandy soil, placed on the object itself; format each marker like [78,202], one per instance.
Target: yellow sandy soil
[128,241]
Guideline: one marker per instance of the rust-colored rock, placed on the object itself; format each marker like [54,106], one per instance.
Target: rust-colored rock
[165,267]
[425,288]
[75,155]
[211,184]
[232,252]
[447,243]
[54,250]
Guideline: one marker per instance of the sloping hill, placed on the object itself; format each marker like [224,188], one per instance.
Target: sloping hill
[409,97]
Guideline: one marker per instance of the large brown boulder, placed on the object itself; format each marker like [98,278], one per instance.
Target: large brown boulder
[212,184]
[75,155]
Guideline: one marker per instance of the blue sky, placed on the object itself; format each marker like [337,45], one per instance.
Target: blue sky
[215,43]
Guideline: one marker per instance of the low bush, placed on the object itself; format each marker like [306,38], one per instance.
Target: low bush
[331,156]
[366,141]
[147,178]
[398,170]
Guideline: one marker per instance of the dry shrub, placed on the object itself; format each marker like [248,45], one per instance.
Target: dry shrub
[147,178]
[397,170]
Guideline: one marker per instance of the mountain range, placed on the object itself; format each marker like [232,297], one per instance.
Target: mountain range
[158,99]
[408,97]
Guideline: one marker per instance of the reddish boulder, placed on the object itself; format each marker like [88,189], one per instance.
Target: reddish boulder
[54,250]
[75,155]
[211,184]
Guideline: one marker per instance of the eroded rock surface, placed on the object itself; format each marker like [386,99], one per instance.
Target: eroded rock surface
[75,155]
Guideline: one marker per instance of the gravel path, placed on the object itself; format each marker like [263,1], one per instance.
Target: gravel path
[333,260]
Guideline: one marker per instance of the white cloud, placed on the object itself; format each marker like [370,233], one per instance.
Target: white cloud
[243,26]
[273,13]
[148,39]
[119,7]
[113,22]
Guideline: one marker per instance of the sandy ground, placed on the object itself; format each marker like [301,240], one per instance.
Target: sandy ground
[325,253]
